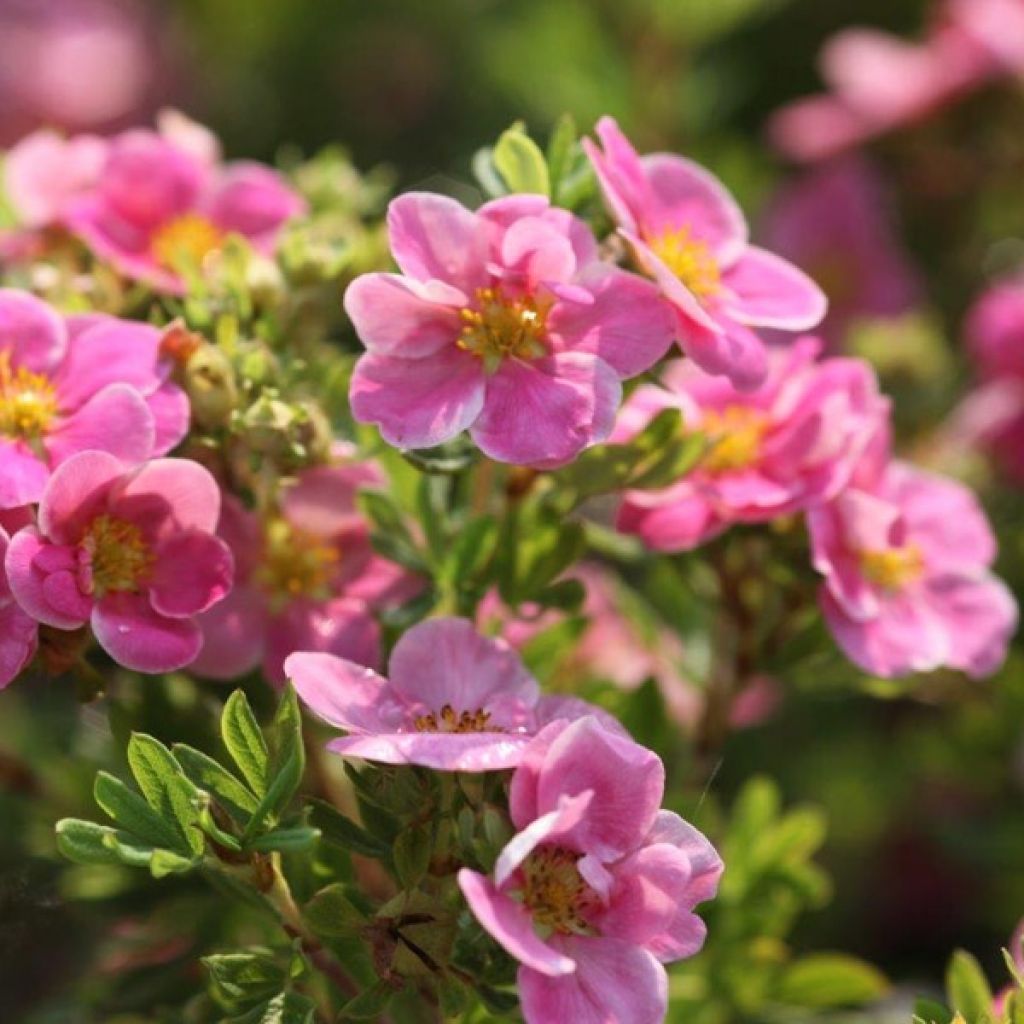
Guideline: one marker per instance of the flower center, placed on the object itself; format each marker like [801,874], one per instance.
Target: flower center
[116,554]
[185,241]
[450,720]
[296,563]
[735,433]
[689,259]
[893,568]
[500,327]
[28,401]
[555,892]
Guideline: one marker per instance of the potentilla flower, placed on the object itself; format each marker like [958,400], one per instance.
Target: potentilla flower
[597,889]
[688,234]
[454,700]
[306,579]
[906,557]
[503,322]
[160,208]
[792,442]
[19,633]
[76,384]
[130,552]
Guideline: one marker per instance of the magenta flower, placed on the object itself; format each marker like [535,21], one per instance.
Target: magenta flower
[19,633]
[597,889]
[503,322]
[688,234]
[160,207]
[306,579]
[84,383]
[454,700]
[129,551]
[906,558]
[773,451]
[832,222]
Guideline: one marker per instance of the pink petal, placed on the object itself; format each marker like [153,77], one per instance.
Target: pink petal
[404,317]
[682,524]
[343,693]
[705,864]
[169,495]
[232,635]
[48,593]
[418,403]
[169,407]
[19,636]
[764,290]
[23,474]
[193,571]
[620,175]
[545,412]
[444,752]
[509,923]
[733,351]
[547,828]
[537,251]
[76,494]
[253,201]
[140,638]
[30,331]
[322,501]
[115,420]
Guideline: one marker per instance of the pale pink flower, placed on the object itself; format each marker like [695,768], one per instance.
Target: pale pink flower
[597,889]
[503,322]
[832,221]
[76,384]
[158,208]
[454,700]
[306,579]
[773,451]
[19,633]
[130,552]
[906,557]
[687,233]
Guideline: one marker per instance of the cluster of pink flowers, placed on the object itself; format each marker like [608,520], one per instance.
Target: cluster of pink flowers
[878,82]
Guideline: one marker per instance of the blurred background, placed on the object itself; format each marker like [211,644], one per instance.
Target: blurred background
[922,783]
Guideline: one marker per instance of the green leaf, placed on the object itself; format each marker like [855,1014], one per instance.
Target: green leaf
[931,1012]
[229,791]
[336,828]
[966,987]
[165,787]
[831,979]
[83,842]
[286,839]
[561,150]
[284,1008]
[245,743]
[240,979]
[332,914]
[134,815]
[470,550]
[411,854]
[129,849]
[521,163]
[166,862]
[487,174]
[369,1004]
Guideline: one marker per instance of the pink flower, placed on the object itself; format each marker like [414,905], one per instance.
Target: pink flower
[19,633]
[995,331]
[306,579]
[906,558]
[773,451]
[597,889]
[454,700]
[129,551]
[688,234]
[76,384]
[832,222]
[160,207]
[503,322]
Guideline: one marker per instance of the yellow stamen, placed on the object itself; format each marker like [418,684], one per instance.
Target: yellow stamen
[735,433]
[450,720]
[499,327]
[893,568]
[296,563]
[28,401]
[555,893]
[119,557]
[185,242]
[689,259]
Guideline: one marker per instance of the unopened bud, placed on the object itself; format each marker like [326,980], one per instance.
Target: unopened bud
[210,384]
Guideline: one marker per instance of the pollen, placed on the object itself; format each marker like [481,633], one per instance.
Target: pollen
[185,241]
[500,327]
[555,893]
[690,260]
[735,434]
[115,555]
[893,568]
[28,401]
[296,563]
[450,720]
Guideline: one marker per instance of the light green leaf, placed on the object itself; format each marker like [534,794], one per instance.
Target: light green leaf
[165,787]
[83,842]
[829,980]
[245,742]
[230,792]
[521,163]
[134,815]
[966,986]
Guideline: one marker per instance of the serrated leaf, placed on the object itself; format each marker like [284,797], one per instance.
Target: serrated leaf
[342,831]
[207,774]
[828,980]
[131,811]
[83,841]
[165,787]
[966,986]
[244,741]
[521,163]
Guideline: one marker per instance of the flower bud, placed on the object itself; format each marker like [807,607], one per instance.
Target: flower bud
[210,384]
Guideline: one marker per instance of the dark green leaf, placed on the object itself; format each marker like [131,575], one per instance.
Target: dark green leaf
[336,828]
[230,792]
[411,854]
[286,839]
[165,787]
[134,815]
[369,1004]
[332,914]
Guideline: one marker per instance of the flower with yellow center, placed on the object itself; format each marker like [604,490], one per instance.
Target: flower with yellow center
[119,557]
[501,327]
[893,568]
[735,434]
[185,242]
[295,563]
[689,259]
[28,401]
[450,720]
[555,893]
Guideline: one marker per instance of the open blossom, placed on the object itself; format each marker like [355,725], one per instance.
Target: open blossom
[832,222]
[906,557]
[597,889]
[160,207]
[773,451]
[130,552]
[688,234]
[19,633]
[306,579]
[76,384]
[503,322]
[454,700]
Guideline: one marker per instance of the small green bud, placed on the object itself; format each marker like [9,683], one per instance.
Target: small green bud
[211,388]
